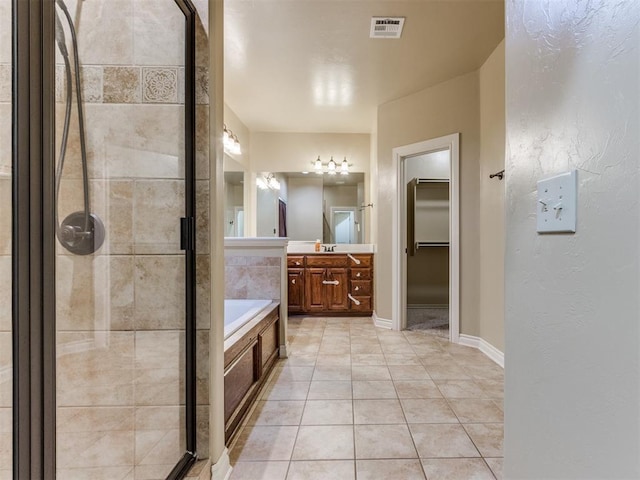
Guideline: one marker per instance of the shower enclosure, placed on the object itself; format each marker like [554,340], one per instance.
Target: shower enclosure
[98,322]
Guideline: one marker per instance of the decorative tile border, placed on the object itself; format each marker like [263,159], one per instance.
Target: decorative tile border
[160,85]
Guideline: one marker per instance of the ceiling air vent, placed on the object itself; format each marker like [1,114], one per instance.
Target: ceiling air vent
[386,27]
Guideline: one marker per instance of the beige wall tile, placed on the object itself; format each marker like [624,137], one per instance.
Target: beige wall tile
[5,81]
[202,216]
[203,292]
[5,293]
[5,139]
[71,420]
[159,205]
[95,368]
[202,142]
[5,31]
[202,85]
[159,367]
[99,473]
[94,293]
[159,292]
[97,44]
[202,367]
[95,449]
[159,31]
[6,375]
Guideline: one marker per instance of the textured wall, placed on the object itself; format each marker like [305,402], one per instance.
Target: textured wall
[452,106]
[572,389]
[492,150]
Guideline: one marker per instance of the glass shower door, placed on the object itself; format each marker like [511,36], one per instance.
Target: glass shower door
[121,280]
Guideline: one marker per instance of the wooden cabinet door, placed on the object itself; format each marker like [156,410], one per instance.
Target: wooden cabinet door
[296,289]
[314,290]
[336,293]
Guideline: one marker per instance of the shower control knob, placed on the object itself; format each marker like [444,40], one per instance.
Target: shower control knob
[74,235]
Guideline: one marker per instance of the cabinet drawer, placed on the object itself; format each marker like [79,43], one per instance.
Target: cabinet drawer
[360,287]
[365,304]
[360,273]
[295,260]
[327,261]
[364,259]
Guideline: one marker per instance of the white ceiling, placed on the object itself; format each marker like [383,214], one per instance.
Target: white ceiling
[310,66]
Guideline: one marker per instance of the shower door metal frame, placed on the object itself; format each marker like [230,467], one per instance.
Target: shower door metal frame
[33,240]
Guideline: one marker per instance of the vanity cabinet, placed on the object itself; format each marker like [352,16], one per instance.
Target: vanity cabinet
[296,282]
[329,284]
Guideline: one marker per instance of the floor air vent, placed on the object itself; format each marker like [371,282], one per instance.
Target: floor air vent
[386,27]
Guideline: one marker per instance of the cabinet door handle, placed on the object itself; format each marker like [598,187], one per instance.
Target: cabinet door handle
[293,281]
[357,302]
[353,259]
[331,282]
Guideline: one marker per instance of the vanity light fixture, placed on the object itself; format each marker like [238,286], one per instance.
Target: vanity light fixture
[231,142]
[331,167]
[268,181]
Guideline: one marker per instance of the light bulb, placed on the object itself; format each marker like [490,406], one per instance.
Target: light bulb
[344,167]
[331,167]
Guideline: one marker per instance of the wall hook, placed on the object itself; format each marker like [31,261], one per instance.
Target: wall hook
[362,207]
[499,174]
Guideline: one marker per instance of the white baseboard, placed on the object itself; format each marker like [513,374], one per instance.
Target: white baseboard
[382,322]
[485,347]
[221,470]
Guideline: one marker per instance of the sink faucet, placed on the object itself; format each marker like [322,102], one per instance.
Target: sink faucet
[328,248]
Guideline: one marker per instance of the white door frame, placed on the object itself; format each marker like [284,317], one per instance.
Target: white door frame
[399,239]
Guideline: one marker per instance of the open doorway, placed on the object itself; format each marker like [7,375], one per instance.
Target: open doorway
[426,243]
[343,223]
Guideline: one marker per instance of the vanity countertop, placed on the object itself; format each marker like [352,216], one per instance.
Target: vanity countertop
[309,248]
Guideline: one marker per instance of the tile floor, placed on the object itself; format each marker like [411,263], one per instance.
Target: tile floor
[357,402]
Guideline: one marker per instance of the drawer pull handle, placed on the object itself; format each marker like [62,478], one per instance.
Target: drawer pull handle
[358,274]
[297,263]
[293,281]
[357,288]
[354,259]
[357,302]
[331,282]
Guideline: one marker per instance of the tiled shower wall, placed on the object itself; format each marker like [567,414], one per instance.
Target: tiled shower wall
[255,277]
[5,240]
[120,312]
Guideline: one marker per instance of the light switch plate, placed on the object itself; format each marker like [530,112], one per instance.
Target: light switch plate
[557,203]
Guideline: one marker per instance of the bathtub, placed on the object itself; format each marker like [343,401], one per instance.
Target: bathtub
[239,312]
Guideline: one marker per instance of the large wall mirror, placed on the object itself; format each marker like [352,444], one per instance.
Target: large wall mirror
[234,208]
[324,207]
